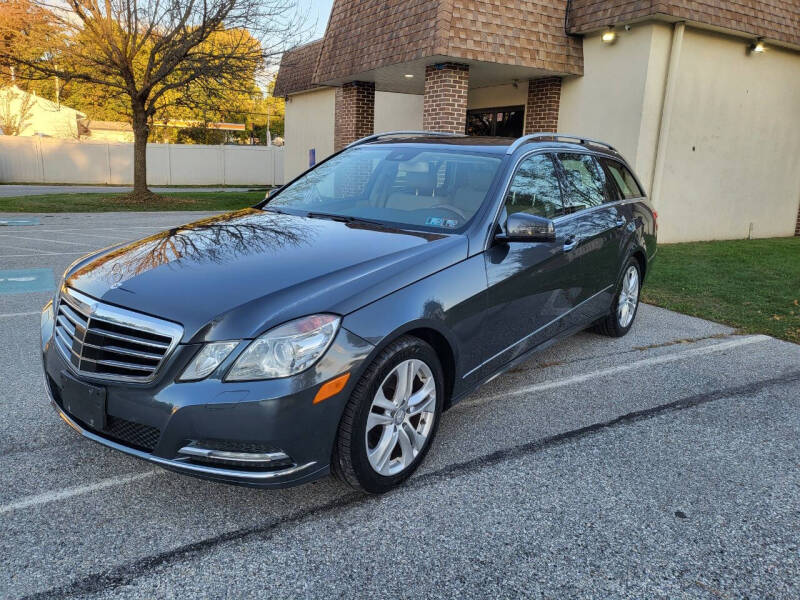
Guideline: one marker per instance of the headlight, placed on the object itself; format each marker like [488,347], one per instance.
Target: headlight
[208,359]
[286,350]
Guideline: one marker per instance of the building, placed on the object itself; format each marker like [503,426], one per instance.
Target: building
[23,113]
[701,96]
[108,131]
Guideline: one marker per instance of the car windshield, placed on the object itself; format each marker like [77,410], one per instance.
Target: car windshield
[437,189]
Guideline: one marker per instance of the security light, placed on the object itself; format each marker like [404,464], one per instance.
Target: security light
[609,36]
[757,47]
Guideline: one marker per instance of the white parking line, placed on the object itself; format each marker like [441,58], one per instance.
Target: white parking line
[39,252]
[21,314]
[49,497]
[46,498]
[645,362]
[19,237]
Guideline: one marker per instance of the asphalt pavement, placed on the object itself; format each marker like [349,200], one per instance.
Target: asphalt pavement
[664,464]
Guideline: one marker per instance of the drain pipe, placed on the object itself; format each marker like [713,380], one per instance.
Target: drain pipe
[670,89]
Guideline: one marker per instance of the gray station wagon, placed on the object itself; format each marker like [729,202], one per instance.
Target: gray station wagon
[328,328]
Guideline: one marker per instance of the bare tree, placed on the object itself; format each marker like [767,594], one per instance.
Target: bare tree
[157,53]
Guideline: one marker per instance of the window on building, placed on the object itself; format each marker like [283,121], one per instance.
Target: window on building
[505,121]
[535,188]
[584,182]
[623,178]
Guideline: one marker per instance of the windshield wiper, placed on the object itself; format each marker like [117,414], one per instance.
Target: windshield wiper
[343,218]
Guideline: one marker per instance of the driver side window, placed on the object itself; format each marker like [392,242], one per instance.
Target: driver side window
[535,188]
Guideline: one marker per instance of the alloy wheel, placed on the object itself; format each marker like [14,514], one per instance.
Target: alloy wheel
[628,297]
[401,417]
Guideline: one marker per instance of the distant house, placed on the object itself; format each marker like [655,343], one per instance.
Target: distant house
[108,131]
[23,113]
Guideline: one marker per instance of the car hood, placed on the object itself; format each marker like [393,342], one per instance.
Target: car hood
[236,275]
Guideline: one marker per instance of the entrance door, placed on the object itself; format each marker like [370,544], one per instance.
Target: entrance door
[504,121]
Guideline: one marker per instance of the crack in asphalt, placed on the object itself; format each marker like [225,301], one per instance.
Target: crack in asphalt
[127,573]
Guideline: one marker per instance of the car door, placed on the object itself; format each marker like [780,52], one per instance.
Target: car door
[528,283]
[593,225]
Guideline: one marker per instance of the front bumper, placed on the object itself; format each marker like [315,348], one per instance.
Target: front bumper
[155,421]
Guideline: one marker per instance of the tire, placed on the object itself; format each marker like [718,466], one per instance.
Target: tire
[372,422]
[619,321]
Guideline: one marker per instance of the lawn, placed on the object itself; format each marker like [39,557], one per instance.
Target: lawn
[102,202]
[753,285]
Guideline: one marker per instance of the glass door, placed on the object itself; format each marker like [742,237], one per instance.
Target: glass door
[504,121]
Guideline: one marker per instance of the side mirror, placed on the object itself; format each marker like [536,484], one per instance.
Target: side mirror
[524,227]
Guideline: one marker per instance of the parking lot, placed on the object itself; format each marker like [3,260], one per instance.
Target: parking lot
[662,464]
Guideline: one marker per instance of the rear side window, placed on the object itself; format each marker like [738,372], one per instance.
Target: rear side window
[535,188]
[623,178]
[584,182]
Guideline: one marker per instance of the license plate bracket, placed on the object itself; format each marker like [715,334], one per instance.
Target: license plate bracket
[84,401]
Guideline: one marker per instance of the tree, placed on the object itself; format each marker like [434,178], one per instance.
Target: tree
[158,53]
[15,110]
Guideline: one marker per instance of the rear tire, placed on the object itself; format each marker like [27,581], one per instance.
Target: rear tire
[623,311]
[391,418]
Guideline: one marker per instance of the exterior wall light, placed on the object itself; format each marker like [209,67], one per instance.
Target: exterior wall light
[409,76]
[609,36]
[756,47]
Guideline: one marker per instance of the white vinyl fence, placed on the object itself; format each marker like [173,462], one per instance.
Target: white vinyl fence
[48,160]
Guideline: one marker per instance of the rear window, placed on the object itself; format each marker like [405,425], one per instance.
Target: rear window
[623,178]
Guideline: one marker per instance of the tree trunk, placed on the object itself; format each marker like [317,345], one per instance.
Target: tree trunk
[141,131]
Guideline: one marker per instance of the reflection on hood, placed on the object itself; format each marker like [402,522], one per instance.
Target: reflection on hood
[213,240]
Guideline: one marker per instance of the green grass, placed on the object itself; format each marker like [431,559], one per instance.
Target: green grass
[753,285]
[101,202]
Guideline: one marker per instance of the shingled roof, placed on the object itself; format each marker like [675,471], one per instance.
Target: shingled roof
[296,73]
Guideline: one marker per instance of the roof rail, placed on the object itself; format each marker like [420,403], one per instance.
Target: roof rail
[377,136]
[556,137]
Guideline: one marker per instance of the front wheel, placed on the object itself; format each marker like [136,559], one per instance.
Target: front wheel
[619,320]
[391,417]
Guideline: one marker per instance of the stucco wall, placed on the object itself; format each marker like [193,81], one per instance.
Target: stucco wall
[308,123]
[310,119]
[733,147]
[396,112]
[732,150]
[608,102]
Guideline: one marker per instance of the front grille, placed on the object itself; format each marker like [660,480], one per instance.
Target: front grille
[140,436]
[110,342]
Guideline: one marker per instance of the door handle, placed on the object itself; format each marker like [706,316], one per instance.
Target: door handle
[570,243]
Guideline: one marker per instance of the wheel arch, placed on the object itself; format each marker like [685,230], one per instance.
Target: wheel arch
[439,340]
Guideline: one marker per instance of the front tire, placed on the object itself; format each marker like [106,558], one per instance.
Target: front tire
[391,418]
[620,319]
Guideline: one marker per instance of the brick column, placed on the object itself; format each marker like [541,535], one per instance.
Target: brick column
[355,112]
[444,106]
[541,110]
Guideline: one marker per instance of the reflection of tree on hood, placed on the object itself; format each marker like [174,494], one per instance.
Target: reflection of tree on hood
[214,239]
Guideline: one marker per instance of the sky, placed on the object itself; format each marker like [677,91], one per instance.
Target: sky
[319,11]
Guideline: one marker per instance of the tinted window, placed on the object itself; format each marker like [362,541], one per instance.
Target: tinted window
[535,188]
[584,182]
[438,189]
[623,178]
